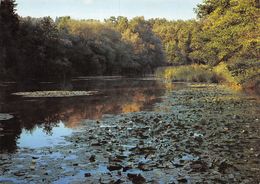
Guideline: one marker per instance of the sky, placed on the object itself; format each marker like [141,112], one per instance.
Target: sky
[101,9]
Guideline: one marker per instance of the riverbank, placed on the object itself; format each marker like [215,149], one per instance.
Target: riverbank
[235,78]
[200,133]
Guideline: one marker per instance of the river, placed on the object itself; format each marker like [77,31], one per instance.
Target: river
[139,130]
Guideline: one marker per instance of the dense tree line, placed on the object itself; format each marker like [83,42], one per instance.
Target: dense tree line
[226,31]
[46,49]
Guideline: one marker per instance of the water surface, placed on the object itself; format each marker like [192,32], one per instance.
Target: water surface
[40,122]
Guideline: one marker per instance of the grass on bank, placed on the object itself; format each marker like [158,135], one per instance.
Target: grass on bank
[201,73]
[189,73]
[248,79]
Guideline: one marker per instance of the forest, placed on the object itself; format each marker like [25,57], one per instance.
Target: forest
[223,42]
[45,49]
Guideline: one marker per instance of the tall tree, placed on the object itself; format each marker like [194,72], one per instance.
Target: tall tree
[9,25]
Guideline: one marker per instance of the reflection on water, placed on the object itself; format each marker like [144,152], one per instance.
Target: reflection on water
[42,138]
[41,121]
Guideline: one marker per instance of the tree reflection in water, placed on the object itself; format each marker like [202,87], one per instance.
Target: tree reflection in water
[116,95]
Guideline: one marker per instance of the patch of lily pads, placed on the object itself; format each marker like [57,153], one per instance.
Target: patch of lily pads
[4,116]
[50,94]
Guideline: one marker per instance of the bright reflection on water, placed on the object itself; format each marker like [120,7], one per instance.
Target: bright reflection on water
[42,122]
[38,137]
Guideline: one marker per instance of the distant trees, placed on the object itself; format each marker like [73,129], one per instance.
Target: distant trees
[111,47]
[57,50]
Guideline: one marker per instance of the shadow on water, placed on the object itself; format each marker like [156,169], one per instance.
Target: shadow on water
[41,122]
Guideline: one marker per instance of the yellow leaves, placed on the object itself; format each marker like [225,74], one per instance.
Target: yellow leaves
[128,35]
[85,28]
[135,40]
[240,11]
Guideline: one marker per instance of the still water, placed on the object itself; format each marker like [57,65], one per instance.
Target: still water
[40,122]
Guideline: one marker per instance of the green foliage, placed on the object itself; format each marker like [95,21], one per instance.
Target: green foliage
[42,54]
[245,70]
[232,31]
[57,50]
[226,38]
[231,34]
[209,6]
[224,73]
[179,40]
[115,47]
